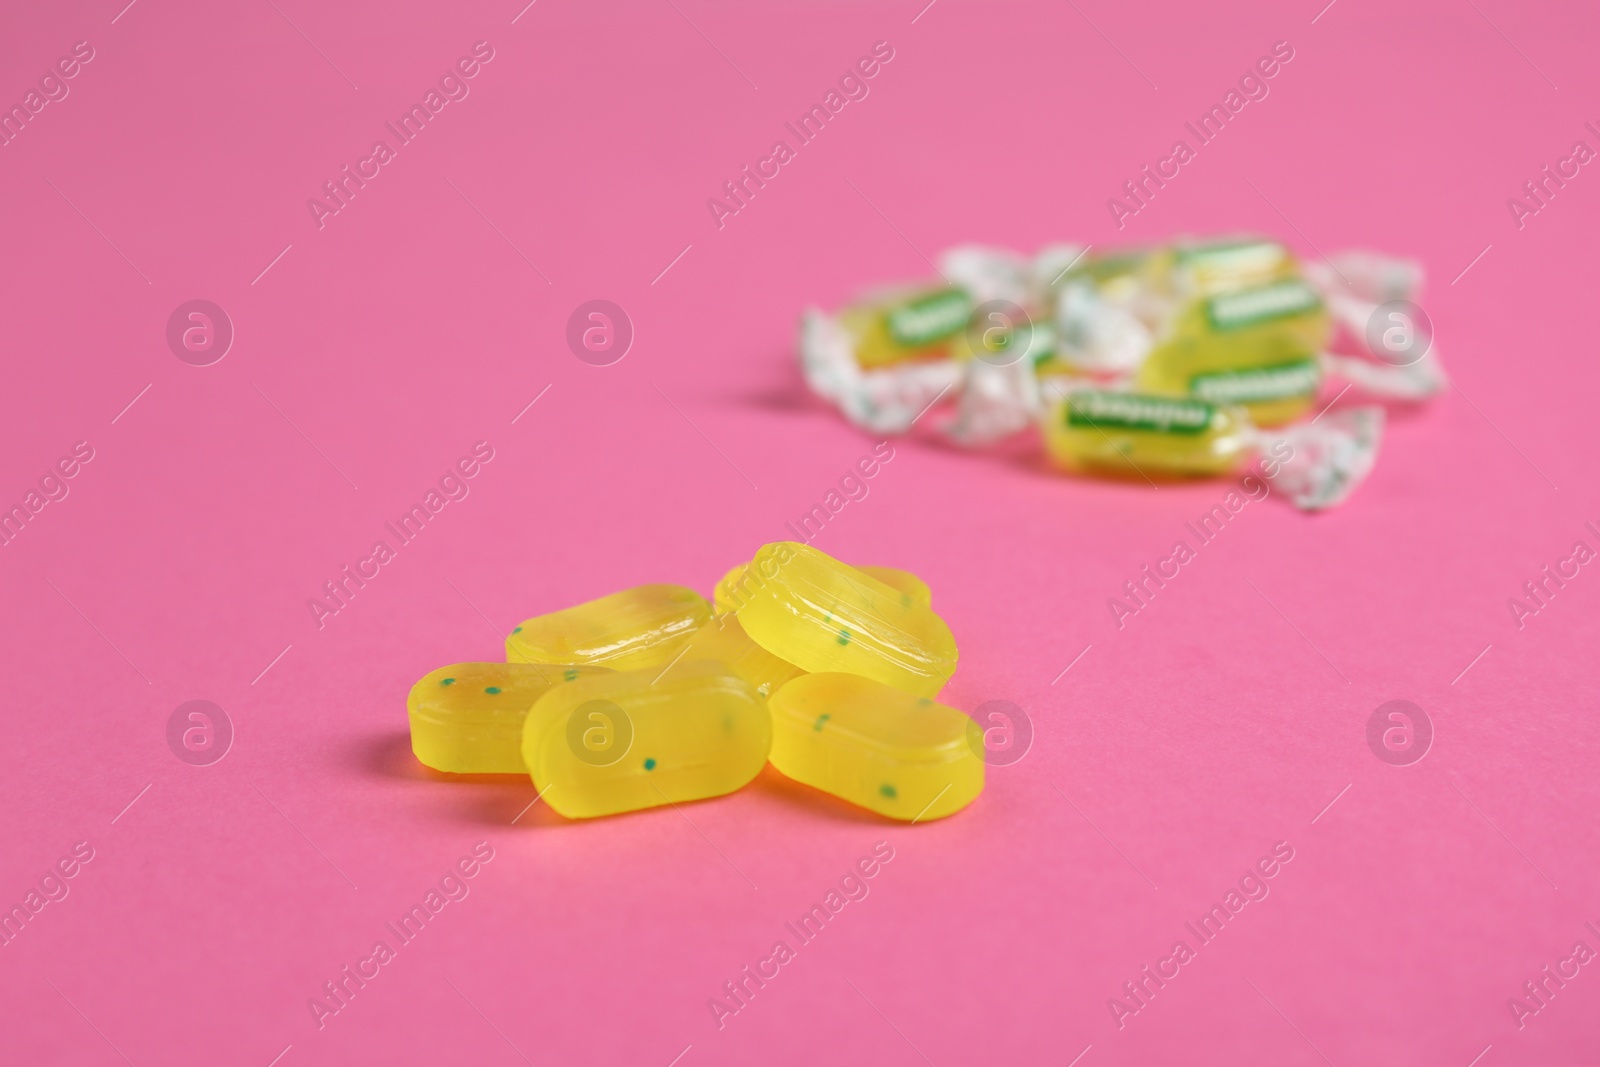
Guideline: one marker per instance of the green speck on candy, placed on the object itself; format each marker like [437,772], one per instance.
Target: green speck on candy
[492,689]
[844,637]
[447,681]
[569,674]
[824,717]
[518,630]
[650,764]
[888,790]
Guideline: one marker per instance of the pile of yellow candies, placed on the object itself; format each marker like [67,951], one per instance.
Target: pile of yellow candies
[1197,358]
[652,696]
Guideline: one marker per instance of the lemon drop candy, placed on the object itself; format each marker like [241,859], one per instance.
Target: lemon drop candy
[1227,264]
[1139,434]
[887,750]
[905,323]
[724,640]
[728,595]
[909,585]
[640,627]
[913,589]
[822,615]
[638,739]
[733,589]
[467,718]
[1257,347]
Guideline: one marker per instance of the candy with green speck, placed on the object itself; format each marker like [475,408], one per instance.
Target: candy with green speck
[890,751]
[466,718]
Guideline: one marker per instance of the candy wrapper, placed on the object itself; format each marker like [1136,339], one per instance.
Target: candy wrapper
[1197,358]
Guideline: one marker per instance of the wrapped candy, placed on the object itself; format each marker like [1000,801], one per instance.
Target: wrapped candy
[1102,308]
[886,358]
[1237,328]
[1244,328]
[1153,437]
[885,400]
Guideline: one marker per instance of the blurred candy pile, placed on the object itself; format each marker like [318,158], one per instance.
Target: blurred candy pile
[1197,358]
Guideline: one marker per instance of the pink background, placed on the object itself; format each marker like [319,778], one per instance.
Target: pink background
[407,329]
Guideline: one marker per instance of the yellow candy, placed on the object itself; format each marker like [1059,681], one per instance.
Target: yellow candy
[729,595]
[1249,331]
[822,615]
[905,325]
[724,640]
[1230,263]
[1122,276]
[1140,435]
[640,627]
[621,742]
[467,718]
[1105,306]
[1005,336]
[899,755]
[907,583]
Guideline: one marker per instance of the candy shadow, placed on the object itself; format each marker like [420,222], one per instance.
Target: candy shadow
[389,755]
[769,783]
[789,398]
[511,805]
[783,393]
[1396,411]
[515,809]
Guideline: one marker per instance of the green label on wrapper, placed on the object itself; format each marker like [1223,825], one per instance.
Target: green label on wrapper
[930,318]
[1135,411]
[1253,384]
[1041,343]
[1281,300]
[1232,256]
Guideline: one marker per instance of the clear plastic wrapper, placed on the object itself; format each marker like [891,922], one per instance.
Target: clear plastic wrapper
[1237,325]
[1315,464]
[882,401]
[1385,342]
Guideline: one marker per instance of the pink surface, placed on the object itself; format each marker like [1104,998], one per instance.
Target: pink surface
[378,349]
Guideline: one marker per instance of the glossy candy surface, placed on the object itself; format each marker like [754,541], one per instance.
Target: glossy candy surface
[467,718]
[908,584]
[620,742]
[734,588]
[1141,435]
[724,640]
[640,627]
[822,615]
[900,755]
